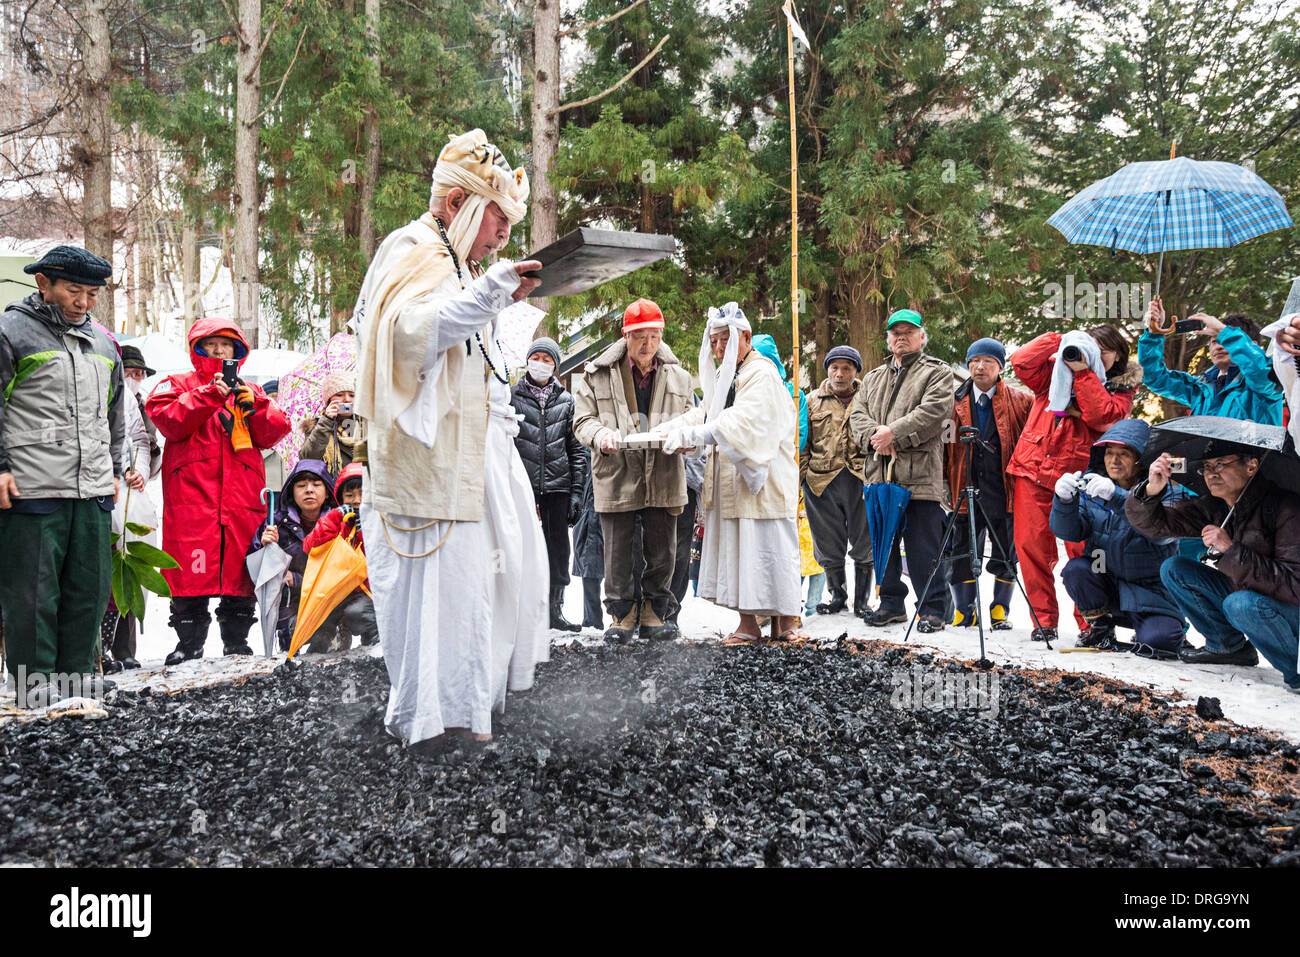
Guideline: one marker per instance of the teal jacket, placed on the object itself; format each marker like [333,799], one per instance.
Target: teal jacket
[1251,394]
[766,346]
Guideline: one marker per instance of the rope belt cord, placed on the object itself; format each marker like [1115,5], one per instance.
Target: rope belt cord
[417,528]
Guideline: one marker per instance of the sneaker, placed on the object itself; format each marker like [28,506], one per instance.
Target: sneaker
[1043,634]
[1246,656]
[884,616]
[929,624]
[1100,635]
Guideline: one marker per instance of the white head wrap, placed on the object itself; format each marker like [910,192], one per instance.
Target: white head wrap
[717,382]
[470,162]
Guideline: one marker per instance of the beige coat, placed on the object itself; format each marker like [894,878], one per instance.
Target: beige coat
[604,400]
[756,431]
[830,447]
[917,409]
[444,482]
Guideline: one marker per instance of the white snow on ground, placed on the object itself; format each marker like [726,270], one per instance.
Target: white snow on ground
[1251,697]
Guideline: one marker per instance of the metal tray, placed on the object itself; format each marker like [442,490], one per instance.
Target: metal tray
[586,258]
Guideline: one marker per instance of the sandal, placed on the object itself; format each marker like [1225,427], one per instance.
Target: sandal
[740,638]
[794,636]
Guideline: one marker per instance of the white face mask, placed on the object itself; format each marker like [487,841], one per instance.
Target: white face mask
[540,371]
[133,385]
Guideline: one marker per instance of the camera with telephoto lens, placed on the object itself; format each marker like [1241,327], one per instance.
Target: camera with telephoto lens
[1072,354]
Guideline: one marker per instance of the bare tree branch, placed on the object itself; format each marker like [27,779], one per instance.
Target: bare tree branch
[604,93]
[287,71]
[602,21]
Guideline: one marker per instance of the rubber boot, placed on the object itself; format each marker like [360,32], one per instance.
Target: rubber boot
[963,596]
[1003,589]
[654,627]
[593,616]
[839,593]
[861,590]
[558,621]
[193,634]
[234,634]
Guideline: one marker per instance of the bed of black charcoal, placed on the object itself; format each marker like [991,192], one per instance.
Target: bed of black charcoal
[639,756]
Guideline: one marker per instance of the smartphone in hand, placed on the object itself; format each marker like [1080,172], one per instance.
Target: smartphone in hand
[1188,325]
[230,372]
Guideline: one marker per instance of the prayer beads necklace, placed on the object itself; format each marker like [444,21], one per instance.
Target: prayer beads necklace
[455,261]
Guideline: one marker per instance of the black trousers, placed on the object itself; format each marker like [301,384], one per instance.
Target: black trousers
[554,507]
[1001,525]
[229,608]
[922,535]
[837,520]
[659,549]
[682,560]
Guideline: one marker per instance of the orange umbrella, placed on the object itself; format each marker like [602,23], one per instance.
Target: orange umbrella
[334,570]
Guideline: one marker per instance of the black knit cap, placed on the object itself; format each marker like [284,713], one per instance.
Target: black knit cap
[73,264]
[133,358]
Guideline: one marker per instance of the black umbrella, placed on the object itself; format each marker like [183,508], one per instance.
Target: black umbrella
[1199,437]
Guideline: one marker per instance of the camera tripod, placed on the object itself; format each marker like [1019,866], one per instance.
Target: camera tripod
[969,435]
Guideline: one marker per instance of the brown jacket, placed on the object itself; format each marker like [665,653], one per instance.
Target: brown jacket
[604,399]
[1010,412]
[1264,528]
[830,447]
[917,404]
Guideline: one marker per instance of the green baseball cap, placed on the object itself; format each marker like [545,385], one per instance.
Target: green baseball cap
[903,315]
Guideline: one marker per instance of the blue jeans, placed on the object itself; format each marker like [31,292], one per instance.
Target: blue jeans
[1228,617]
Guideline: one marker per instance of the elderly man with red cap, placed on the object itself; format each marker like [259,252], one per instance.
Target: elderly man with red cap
[633,386]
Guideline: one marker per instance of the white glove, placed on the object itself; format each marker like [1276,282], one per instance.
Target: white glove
[1065,487]
[609,441]
[678,439]
[1099,486]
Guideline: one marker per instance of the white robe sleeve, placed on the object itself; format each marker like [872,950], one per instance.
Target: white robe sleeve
[1287,374]
[452,322]
[749,433]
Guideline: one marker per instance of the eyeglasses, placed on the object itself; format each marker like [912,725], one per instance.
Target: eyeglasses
[1207,469]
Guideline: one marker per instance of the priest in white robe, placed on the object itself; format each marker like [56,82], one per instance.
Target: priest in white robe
[448,515]
[750,555]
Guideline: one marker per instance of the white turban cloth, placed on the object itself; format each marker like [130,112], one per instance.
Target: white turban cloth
[470,162]
[717,382]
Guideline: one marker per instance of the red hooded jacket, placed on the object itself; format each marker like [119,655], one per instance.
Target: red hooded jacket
[1052,445]
[212,502]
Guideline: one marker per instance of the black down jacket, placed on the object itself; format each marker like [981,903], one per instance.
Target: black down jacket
[553,458]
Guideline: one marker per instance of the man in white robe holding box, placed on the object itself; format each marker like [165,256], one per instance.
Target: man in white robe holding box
[448,514]
[750,556]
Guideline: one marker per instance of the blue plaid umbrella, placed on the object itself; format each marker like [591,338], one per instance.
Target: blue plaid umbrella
[886,505]
[1172,204]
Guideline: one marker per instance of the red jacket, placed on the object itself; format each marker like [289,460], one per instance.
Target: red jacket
[212,502]
[1052,445]
[1010,412]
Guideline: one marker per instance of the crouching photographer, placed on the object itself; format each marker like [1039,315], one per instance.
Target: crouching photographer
[1117,579]
[1250,604]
